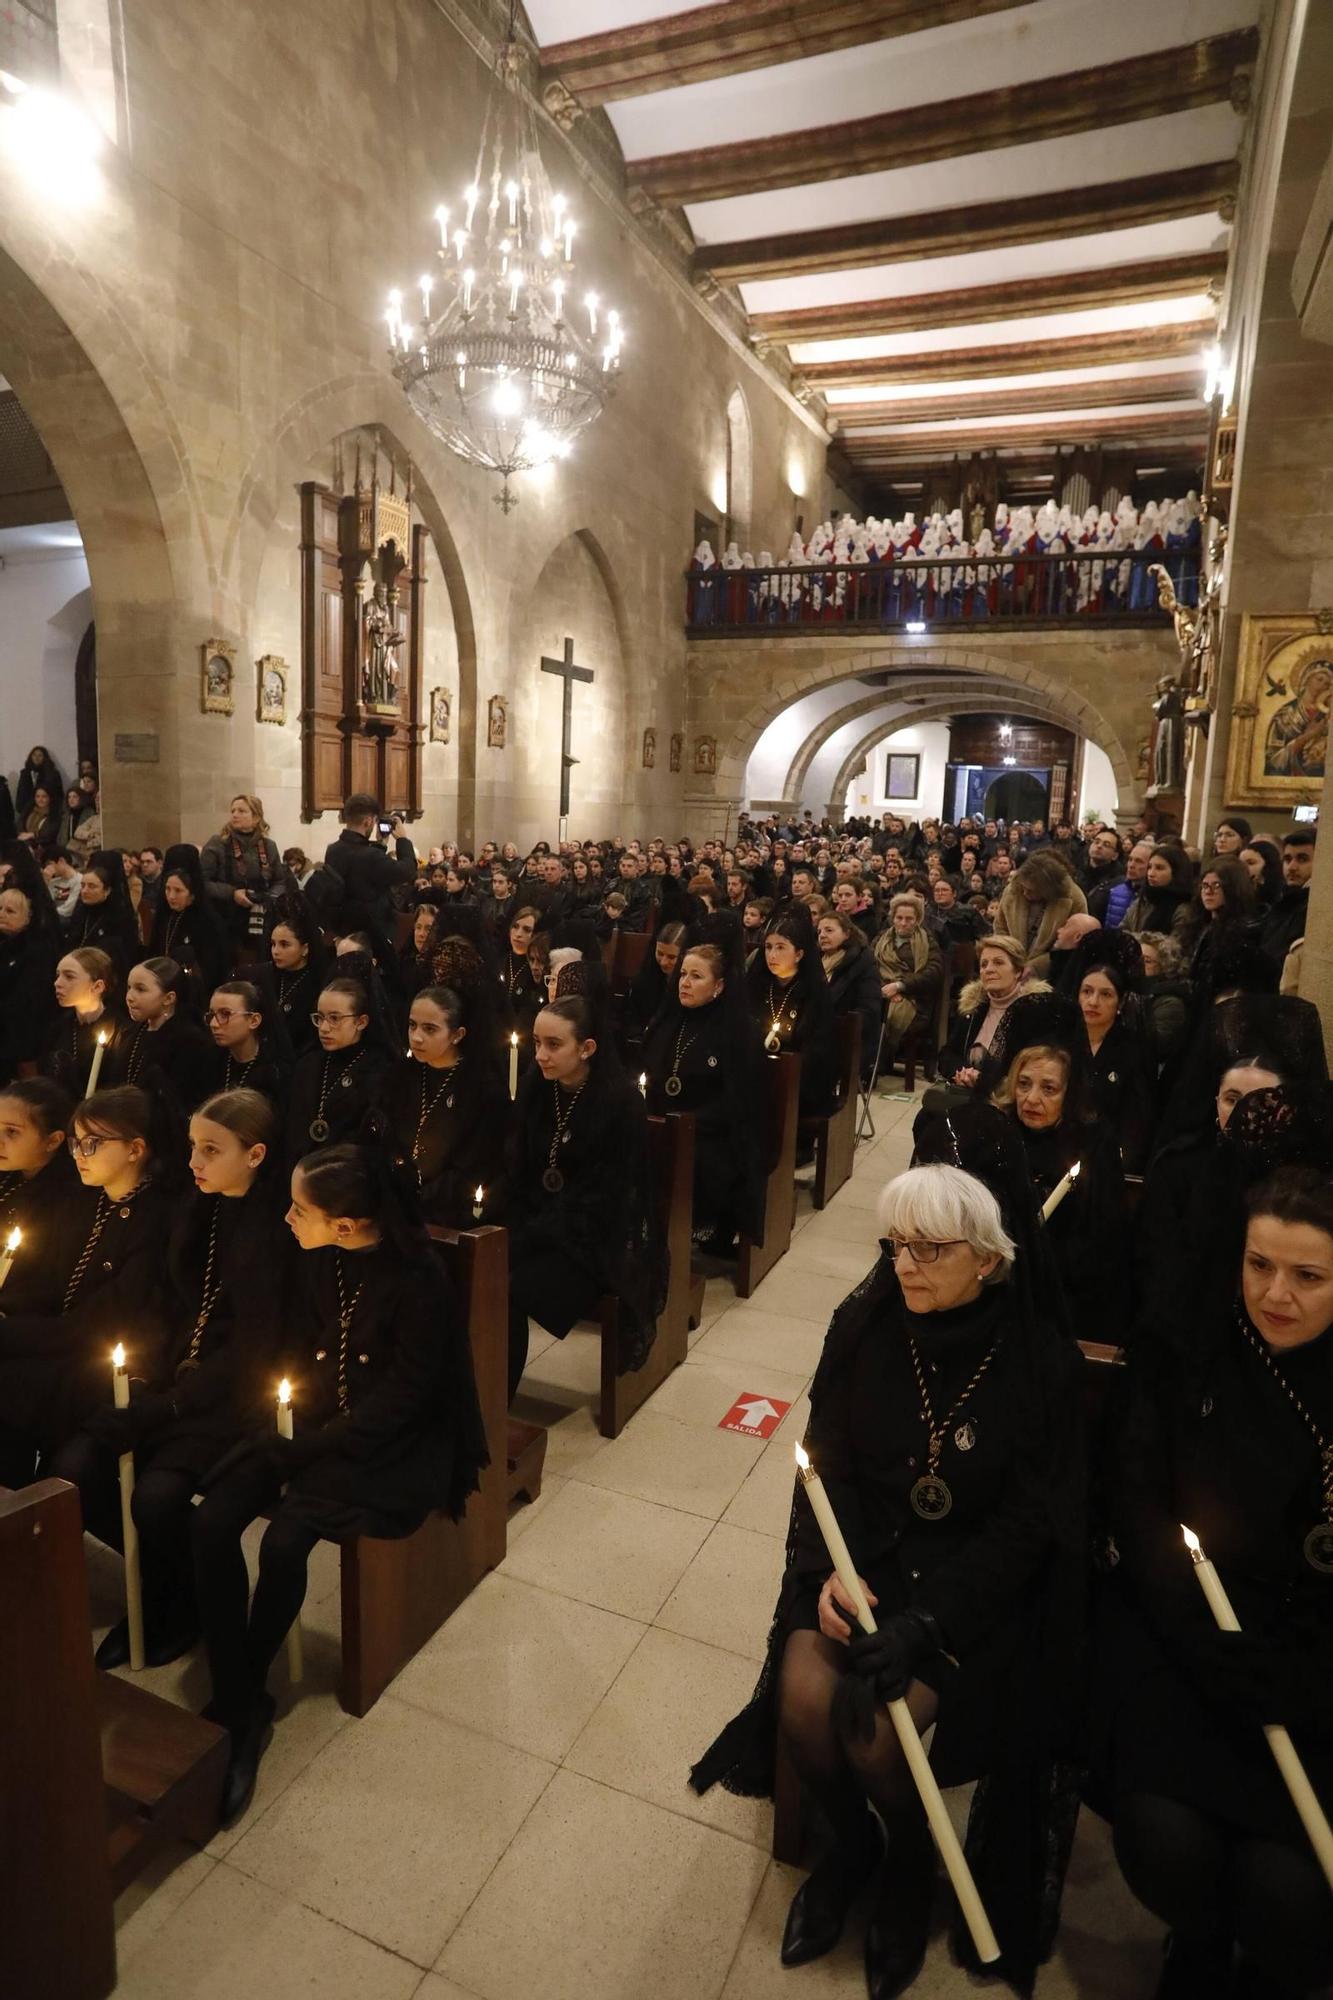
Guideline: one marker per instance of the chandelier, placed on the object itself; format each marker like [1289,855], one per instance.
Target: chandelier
[508,364]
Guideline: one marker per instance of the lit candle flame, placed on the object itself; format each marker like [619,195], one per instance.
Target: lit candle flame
[102,1038]
[12,1241]
[479,1196]
[118,1356]
[1076,1170]
[513,1039]
[802,1458]
[284,1392]
[1192,1542]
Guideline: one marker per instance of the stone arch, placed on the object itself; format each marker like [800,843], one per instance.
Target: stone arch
[933,711]
[1073,710]
[740,468]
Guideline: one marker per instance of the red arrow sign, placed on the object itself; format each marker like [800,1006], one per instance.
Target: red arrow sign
[754,1416]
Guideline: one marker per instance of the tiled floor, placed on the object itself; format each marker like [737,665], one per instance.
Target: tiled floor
[512,1821]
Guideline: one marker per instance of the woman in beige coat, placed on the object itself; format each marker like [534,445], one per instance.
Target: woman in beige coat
[1036,901]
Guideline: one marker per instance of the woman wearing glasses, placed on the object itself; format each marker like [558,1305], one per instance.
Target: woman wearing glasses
[943,1423]
[104,1265]
[250,1048]
[337,1084]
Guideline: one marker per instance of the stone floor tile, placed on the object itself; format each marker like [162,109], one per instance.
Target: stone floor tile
[565,1371]
[798,1294]
[602,1548]
[523,1513]
[674,1464]
[433,1987]
[843,1223]
[520,1664]
[572,1436]
[704,1389]
[763,1341]
[174,1873]
[604,1897]
[727,1594]
[306,1724]
[764,1502]
[394,1828]
[847,1262]
[756,1972]
[236,1936]
[667,1706]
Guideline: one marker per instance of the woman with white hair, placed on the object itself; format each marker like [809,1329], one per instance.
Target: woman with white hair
[943,1424]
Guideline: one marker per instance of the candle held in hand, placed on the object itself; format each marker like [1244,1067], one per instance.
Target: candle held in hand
[120,1390]
[1059,1191]
[941,1826]
[478,1202]
[98,1053]
[10,1251]
[284,1408]
[295,1643]
[513,1064]
[1285,1755]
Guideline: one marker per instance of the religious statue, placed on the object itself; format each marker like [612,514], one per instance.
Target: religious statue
[677,747]
[380,672]
[649,749]
[497,722]
[705,756]
[439,715]
[1167,741]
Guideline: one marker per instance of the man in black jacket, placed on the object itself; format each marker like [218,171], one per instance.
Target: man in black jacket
[1285,922]
[367,872]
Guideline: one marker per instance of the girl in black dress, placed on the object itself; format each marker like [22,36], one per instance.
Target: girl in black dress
[85,988]
[298,964]
[521,986]
[104,918]
[1227,1428]
[581,1220]
[387,1426]
[186,926]
[789,998]
[30,944]
[102,1261]
[37,1183]
[653,981]
[1225,911]
[447,1111]
[165,1034]
[853,979]
[335,1084]
[250,1050]
[229,1257]
[1106,972]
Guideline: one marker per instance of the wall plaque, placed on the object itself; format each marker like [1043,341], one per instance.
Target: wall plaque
[136,747]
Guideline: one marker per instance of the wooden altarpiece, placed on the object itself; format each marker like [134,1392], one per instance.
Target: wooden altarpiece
[363,589]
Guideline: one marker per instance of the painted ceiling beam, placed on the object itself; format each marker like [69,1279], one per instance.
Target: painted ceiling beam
[854,418]
[930,447]
[1051,107]
[1013,357]
[975,226]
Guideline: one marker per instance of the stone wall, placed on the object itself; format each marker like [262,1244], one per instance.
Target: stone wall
[191,342]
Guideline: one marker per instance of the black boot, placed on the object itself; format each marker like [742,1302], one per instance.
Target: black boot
[114,1650]
[899,1926]
[819,1907]
[1194,1969]
[166,1643]
[250,1737]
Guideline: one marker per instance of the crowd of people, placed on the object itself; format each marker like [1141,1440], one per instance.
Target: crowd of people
[236,1085]
[874,571]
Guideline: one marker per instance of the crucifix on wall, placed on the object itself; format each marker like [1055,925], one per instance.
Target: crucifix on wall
[568,673]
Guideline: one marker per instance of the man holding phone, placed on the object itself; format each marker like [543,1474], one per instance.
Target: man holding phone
[367,872]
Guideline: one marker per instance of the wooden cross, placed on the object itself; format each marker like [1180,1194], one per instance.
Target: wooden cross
[568,673]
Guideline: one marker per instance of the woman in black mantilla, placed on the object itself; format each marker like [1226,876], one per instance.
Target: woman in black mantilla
[853,979]
[789,998]
[1105,974]
[165,1032]
[101,1280]
[652,983]
[582,1219]
[446,1111]
[229,1259]
[1228,1428]
[702,1056]
[519,984]
[85,988]
[103,919]
[946,1425]
[31,942]
[38,1185]
[290,982]
[186,926]
[387,1429]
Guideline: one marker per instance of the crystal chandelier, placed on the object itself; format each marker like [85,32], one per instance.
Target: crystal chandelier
[498,368]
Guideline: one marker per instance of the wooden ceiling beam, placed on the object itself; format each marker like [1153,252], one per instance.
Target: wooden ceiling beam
[1014,357]
[925,444]
[1050,107]
[1021,298]
[738,35]
[855,418]
[975,226]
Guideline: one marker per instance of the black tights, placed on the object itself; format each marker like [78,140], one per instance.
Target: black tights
[841,1775]
[162,1510]
[1210,1881]
[242,1648]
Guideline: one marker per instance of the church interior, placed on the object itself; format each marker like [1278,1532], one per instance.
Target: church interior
[757,435]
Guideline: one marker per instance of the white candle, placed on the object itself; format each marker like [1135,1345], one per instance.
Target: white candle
[98,1053]
[120,1391]
[591,303]
[513,1064]
[442,217]
[1059,1191]
[472,197]
[1285,1754]
[295,1645]
[643,1083]
[478,1202]
[10,1251]
[425,297]
[955,1861]
[460,243]
[511,196]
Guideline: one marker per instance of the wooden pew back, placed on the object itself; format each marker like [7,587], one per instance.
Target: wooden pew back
[835,1137]
[671,1161]
[782,1093]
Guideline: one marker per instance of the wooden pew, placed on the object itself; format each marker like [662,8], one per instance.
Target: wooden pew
[95,1774]
[397,1594]
[835,1136]
[782,1078]
[630,950]
[671,1158]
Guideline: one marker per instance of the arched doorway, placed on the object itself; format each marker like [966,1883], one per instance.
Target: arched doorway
[1017,795]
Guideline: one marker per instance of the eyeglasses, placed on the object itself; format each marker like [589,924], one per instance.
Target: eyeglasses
[224,1014]
[920,1253]
[327,1020]
[83,1149]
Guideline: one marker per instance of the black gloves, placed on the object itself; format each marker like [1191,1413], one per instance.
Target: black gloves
[125,1430]
[879,1667]
[283,1457]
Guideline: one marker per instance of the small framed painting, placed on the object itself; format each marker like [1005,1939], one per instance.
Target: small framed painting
[271,689]
[217,676]
[902,774]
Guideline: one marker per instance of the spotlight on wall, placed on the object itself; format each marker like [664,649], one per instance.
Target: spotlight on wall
[796,475]
[51,142]
[1006,732]
[1008,760]
[915,625]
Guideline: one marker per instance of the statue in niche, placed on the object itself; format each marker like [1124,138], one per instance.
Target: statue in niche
[497,722]
[439,715]
[1168,736]
[677,746]
[649,749]
[381,673]
[705,756]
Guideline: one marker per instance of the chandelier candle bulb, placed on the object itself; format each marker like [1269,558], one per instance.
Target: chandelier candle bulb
[513,1064]
[643,1083]
[7,1255]
[1285,1755]
[120,1396]
[515,285]
[569,242]
[295,1643]
[1060,1190]
[472,197]
[591,303]
[469,280]
[442,217]
[98,1054]
[460,243]
[425,297]
[941,1826]
[511,196]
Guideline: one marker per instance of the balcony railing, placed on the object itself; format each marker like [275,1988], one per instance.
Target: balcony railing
[1092,586]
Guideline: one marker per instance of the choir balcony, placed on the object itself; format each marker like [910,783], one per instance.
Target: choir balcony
[1083,587]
